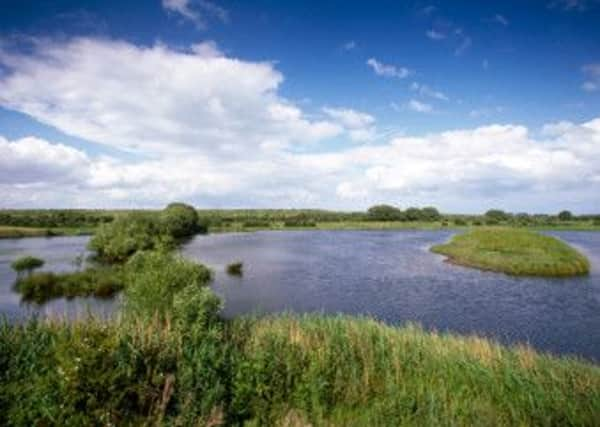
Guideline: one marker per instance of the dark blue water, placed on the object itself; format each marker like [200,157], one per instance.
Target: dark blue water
[390,275]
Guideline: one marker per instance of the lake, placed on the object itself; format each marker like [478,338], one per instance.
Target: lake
[389,275]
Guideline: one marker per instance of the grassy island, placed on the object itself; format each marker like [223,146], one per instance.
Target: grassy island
[515,252]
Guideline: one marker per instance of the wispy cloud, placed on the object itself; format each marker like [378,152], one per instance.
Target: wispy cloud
[425,90]
[419,107]
[592,74]
[465,42]
[500,19]
[435,35]
[386,70]
[349,45]
[573,5]
[196,11]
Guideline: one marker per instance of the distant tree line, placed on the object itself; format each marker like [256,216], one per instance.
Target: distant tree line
[54,218]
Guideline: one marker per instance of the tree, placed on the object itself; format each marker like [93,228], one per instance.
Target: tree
[565,216]
[430,213]
[180,220]
[497,215]
[384,213]
[413,214]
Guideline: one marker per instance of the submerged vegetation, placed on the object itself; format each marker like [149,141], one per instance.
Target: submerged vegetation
[516,252]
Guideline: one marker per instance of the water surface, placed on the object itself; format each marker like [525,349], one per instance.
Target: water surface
[392,276]
[389,275]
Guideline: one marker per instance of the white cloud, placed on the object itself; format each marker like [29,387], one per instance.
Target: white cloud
[196,10]
[155,99]
[592,73]
[435,35]
[214,131]
[425,90]
[419,107]
[385,70]
[572,5]
[464,44]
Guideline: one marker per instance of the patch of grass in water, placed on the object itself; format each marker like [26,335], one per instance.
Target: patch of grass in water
[515,252]
[235,269]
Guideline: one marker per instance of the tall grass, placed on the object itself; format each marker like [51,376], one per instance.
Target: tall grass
[192,369]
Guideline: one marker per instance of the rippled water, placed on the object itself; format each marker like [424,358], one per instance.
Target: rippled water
[392,276]
[388,275]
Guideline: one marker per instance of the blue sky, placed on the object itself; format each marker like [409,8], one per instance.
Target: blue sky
[464,105]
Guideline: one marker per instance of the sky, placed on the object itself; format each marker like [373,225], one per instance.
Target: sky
[462,105]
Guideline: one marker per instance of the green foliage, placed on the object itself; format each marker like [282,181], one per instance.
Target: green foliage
[300,220]
[430,213]
[516,252]
[26,263]
[44,286]
[461,222]
[180,220]
[117,241]
[235,269]
[52,218]
[565,216]
[496,216]
[153,278]
[384,213]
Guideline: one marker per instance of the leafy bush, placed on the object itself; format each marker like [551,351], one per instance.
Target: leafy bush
[497,215]
[235,269]
[461,222]
[430,214]
[153,278]
[117,241]
[180,220]
[27,263]
[565,216]
[384,213]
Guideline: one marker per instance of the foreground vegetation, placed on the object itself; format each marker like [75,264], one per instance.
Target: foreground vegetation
[516,252]
[190,368]
[169,359]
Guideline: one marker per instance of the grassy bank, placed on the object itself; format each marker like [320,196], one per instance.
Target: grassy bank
[516,252]
[281,370]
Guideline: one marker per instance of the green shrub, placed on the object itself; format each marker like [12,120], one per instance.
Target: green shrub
[235,269]
[153,278]
[180,220]
[26,263]
[115,242]
[565,216]
[384,213]
[461,222]
[44,286]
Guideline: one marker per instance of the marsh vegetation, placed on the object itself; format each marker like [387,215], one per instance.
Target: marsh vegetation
[516,252]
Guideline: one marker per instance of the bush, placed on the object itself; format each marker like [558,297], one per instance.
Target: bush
[565,216]
[235,269]
[597,221]
[180,220]
[460,222]
[497,215]
[430,214]
[26,263]
[153,278]
[44,286]
[115,242]
[384,213]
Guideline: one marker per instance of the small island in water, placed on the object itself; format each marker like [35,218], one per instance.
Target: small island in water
[515,252]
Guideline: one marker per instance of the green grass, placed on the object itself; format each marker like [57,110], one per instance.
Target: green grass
[515,252]
[282,370]
[43,286]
